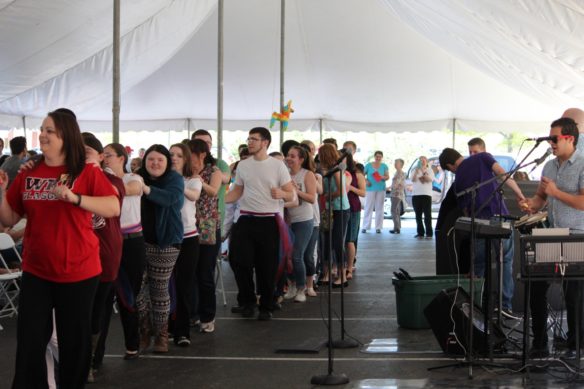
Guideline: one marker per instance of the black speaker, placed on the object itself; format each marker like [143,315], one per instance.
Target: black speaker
[448,314]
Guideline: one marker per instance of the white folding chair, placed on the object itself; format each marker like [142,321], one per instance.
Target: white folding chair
[219,287]
[9,289]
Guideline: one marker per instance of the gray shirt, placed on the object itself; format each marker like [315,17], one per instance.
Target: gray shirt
[569,178]
[580,144]
[11,166]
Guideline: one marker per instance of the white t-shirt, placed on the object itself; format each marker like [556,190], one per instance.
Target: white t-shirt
[189,209]
[304,211]
[130,219]
[420,188]
[257,179]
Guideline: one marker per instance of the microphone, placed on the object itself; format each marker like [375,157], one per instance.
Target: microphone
[540,160]
[553,138]
[343,153]
[339,167]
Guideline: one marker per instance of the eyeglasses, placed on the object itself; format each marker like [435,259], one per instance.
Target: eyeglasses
[254,140]
[556,138]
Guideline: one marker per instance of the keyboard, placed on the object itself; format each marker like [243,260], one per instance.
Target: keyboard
[483,228]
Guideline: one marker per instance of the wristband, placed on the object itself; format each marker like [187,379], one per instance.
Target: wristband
[78,203]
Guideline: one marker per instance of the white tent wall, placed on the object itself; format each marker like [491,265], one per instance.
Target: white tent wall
[355,65]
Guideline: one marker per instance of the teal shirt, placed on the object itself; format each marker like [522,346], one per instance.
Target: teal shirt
[339,200]
[376,186]
[224,167]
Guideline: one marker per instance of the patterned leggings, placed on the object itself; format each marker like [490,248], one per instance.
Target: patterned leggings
[153,300]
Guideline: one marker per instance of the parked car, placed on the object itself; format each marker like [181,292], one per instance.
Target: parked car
[438,194]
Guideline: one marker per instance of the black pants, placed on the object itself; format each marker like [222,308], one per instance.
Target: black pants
[423,205]
[255,243]
[205,280]
[103,332]
[539,315]
[73,304]
[128,286]
[338,238]
[102,296]
[184,271]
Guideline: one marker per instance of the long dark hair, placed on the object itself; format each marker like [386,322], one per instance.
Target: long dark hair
[159,149]
[120,152]
[351,168]
[73,146]
[198,146]
[307,162]
[187,169]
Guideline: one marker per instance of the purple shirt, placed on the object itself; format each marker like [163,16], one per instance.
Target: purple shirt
[479,168]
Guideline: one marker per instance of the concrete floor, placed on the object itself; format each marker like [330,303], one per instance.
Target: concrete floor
[241,352]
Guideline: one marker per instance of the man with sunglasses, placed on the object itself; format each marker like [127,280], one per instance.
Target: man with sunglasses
[562,189]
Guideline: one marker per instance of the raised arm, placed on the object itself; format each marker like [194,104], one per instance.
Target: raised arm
[104,206]
[498,170]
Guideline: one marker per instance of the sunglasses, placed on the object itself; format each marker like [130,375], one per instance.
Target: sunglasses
[556,138]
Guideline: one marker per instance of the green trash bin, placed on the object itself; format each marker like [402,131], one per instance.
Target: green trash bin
[412,296]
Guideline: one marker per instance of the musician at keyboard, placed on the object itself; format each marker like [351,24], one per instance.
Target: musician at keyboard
[562,190]
[480,168]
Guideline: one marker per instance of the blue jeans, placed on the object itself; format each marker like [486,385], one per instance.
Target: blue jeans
[479,267]
[302,233]
[309,261]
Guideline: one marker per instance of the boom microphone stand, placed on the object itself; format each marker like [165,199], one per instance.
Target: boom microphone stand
[343,342]
[330,378]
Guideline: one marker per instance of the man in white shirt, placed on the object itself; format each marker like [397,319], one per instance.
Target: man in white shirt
[261,182]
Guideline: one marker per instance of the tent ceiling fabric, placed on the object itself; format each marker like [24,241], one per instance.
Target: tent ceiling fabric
[386,65]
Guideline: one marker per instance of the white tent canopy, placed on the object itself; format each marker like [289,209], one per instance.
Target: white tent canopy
[374,65]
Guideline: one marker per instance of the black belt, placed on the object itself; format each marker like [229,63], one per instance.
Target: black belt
[132,235]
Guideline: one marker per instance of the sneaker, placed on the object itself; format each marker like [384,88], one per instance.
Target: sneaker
[91,376]
[378,231]
[170,337]
[508,314]
[130,355]
[419,236]
[539,353]
[310,292]
[264,315]
[235,309]
[183,341]
[196,322]
[291,293]
[394,232]
[363,231]
[248,311]
[428,236]
[207,327]
[300,296]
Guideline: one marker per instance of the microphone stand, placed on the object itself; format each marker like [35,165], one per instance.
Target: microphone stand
[330,378]
[343,342]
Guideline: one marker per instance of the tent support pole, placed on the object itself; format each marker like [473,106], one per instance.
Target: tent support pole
[453,133]
[282,58]
[24,124]
[320,131]
[221,5]
[116,75]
